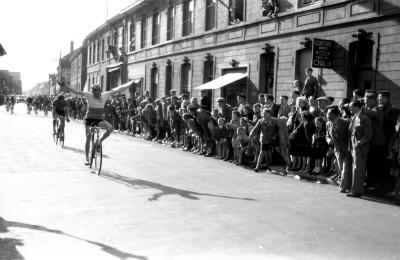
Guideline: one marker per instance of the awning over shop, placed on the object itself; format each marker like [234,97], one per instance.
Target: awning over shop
[222,81]
[114,67]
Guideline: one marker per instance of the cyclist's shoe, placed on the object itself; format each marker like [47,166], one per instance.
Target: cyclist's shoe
[86,162]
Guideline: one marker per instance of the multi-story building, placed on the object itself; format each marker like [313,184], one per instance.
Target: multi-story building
[78,68]
[249,48]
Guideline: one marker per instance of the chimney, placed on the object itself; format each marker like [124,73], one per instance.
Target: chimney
[72,46]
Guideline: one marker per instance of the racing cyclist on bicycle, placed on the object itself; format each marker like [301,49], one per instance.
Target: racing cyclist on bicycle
[29,102]
[95,110]
[59,111]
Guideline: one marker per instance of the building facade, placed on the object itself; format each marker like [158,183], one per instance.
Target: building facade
[183,44]
[10,84]
[78,68]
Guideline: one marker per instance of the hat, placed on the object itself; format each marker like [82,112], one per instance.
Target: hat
[384,93]
[358,92]
[284,96]
[270,97]
[323,99]
[242,95]
[370,95]
[221,100]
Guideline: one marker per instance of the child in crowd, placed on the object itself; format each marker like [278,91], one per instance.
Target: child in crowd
[233,125]
[319,144]
[215,136]
[242,142]
[215,114]
[222,143]
[268,130]
[284,141]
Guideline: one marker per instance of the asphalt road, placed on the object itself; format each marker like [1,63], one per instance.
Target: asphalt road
[159,203]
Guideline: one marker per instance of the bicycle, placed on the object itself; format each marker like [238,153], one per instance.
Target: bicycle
[96,149]
[59,137]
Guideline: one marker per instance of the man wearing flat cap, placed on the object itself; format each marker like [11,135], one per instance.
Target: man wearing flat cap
[226,109]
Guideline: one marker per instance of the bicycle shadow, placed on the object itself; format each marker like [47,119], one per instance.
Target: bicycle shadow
[80,151]
[8,246]
[165,190]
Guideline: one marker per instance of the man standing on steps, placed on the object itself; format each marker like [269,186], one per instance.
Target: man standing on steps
[95,109]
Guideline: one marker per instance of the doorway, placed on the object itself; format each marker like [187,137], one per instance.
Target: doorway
[231,91]
[303,61]
[360,66]
[267,71]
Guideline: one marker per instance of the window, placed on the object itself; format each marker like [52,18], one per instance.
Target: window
[102,49]
[236,11]
[208,70]
[170,23]
[185,77]
[168,77]
[94,52]
[143,33]
[132,35]
[115,37]
[210,14]
[98,50]
[108,44]
[156,29]
[90,54]
[187,23]
[309,2]
[154,82]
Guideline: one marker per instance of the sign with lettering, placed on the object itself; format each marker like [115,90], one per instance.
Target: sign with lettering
[322,53]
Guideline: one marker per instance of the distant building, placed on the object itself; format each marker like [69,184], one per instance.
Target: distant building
[70,69]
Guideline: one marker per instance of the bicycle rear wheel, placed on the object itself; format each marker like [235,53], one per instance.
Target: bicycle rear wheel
[61,137]
[56,136]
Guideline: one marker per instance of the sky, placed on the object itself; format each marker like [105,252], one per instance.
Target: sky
[33,33]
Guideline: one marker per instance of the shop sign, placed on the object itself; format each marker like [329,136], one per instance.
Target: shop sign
[322,53]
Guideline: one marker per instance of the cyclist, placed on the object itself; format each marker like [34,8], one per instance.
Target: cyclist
[36,104]
[12,103]
[46,105]
[29,101]
[59,111]
[95,110]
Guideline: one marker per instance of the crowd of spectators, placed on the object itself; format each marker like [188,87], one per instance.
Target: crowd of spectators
[354,142]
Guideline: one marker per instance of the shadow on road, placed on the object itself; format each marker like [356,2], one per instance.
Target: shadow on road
[80,151]
[8,248]
[165,190]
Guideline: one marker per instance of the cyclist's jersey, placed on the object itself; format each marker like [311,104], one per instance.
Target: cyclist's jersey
[95,107]
[29,100]
[59,105]
[12,100]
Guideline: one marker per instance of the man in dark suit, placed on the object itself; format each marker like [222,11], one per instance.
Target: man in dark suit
[337,136]
[360,134]
[378,147]
[269,104]
[310,85]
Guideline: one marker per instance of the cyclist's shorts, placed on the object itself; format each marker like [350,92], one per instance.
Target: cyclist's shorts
[60,112]
[91,121]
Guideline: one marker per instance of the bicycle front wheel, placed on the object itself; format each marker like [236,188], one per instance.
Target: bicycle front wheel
[99,159]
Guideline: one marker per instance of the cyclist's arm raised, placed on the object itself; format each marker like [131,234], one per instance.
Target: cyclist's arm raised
[78,92]
[118,89]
